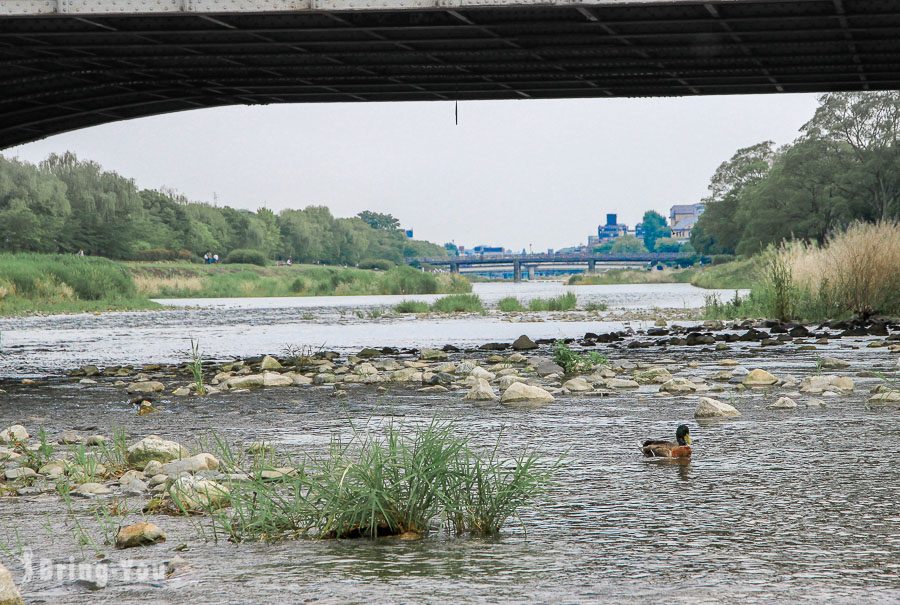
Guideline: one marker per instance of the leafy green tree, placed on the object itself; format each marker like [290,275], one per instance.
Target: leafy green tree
[628,244]
[377,220]
[667,244]
[655,227]
[33,208]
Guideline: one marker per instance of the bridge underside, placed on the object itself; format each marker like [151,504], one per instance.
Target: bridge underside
[67,70]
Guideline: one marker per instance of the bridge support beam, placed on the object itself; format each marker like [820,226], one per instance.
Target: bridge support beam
[454,267]
[592,266]
[531,271]
[517,270]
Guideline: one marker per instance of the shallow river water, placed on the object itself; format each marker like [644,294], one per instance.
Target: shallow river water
[235,327]
[776,506]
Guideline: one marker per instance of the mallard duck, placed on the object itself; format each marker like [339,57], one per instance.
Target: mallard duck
[681,448]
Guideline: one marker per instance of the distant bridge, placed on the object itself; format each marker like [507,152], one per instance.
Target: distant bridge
[530,262]
[68,64]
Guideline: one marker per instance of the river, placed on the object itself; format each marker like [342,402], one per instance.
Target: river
[241,327]
[795,506]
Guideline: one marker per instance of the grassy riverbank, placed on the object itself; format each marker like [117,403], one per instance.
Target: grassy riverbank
[188,280]
[737,274]
[55,283]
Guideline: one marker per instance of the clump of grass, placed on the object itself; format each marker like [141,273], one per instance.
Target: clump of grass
[563,302]
[196,367]
[458,303]
[596,306]
[510,304]
[385,483]
[412,306]
[575,363]
[632,276]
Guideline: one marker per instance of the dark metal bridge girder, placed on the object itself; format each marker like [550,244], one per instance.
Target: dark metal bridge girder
[67,69]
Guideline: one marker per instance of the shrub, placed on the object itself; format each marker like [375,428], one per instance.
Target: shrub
[376,263]
[564,302]
[165,254]
[246,256]
[721,259]
[510,304]
[406,280]
[574,363]
[382,484]
[458,303]
[412,306]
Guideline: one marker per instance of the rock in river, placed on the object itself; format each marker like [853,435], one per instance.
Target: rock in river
[13,433]
[713,408]
[155,448]
[523,343]
[481,391]
[146,386]
[139,534]
[783,403]
[759,378]
[191,493]
[519,391]
[678,385]
[9,594]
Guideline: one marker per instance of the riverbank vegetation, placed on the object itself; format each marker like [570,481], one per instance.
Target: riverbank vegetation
[64,205]
[854,273]
[54,283]
[388,482]
[842,169]
[188,280]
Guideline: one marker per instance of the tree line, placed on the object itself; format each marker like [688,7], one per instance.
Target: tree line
[66,205]
[844,167]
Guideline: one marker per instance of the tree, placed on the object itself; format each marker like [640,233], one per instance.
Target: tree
[868,124]
[717,230]
[667,244]
[377,220]
[655,227]
[452,249]
[628,244]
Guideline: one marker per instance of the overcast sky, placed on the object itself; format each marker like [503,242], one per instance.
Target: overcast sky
[511,173]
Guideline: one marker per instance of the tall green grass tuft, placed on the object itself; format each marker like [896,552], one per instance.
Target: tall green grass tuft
[412,306]
[58,282]
[458,303]
[563,302]
[575,363]
[510,304]
[386,482]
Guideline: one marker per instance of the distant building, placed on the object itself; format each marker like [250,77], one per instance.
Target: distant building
[683,217]
[612,229]
[593,240]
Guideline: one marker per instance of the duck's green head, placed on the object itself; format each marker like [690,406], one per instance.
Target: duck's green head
[683,435]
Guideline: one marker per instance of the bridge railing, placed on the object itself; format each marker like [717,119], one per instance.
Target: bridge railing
[551,258]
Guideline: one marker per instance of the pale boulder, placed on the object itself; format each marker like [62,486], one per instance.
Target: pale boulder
[713,408]
[521,392]
[481,391]
[759,378]
[153,447]
[139,534]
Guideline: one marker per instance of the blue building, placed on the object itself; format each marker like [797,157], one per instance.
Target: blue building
[612,229]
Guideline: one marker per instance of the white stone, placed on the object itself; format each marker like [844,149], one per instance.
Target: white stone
[274,379]
[783,403]
[479,372]
[481,391]
[759,378]
[192,464]
[678,385]
[622,383]
[577,385]
[9,594]
[146,386]
[153,447]
[713,408]
[191,493]
[13,433]
[269,363]
[519,392]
